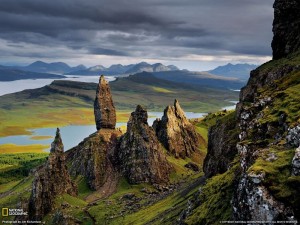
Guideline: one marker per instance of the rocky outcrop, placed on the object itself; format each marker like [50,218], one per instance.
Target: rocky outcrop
[176,133]
[51,180]
[222,139]
[296,163]
[293,136]
[139,154]
[286,28]
[261,78]
[253,202]
[104,109]
[91,158]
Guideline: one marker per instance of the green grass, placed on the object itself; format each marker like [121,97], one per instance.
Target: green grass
[215,199]
[286,100]
[83,188]
[14,167]
[8,186]
[278,177]
[162,90]
[19,191]
[274,65]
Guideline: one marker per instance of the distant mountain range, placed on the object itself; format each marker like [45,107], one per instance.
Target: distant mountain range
[240,71]
[200,79]
[237,74]
[11,74]
[124,69]
[56,67]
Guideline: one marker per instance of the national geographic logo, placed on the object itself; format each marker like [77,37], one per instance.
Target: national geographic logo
[4,212]
[13,212]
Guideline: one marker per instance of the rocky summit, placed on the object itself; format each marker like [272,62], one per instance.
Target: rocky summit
[104,109]
[50,180]
[286,28]
[139,154]
[176,133]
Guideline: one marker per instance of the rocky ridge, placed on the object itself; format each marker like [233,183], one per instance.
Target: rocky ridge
[51,180]
[176,133]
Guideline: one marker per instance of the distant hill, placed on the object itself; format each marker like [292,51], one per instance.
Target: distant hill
[56,67]
[99,69]
[200,79]
[125,69]
[145,67]
[11,74]
[240,71]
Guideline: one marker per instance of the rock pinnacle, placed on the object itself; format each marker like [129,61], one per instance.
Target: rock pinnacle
[104,109]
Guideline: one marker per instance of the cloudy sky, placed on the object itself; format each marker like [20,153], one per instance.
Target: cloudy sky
[192,34]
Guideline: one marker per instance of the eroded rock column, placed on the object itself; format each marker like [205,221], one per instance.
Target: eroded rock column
[104,109]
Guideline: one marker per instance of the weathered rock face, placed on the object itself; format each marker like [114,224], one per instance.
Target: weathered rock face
[293,137]
[222,140]
[255,203]
[91,157]
[286,28]
[296,163]
[176,133]
[50,180]
[104,109]
[139,154]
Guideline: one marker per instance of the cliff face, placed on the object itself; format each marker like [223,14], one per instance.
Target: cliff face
[50,180]
[286,28]
[104,109]
[222,140]
[263,153]
[90,158]
[176,133]
[139,154]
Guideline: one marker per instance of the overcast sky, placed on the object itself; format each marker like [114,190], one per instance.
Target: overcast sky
[192,34]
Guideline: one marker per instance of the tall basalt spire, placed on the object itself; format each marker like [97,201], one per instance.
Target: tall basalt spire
[104,109]
[57,145]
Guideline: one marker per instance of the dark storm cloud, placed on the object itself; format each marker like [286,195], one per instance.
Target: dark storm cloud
[123,28]
[104,51]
